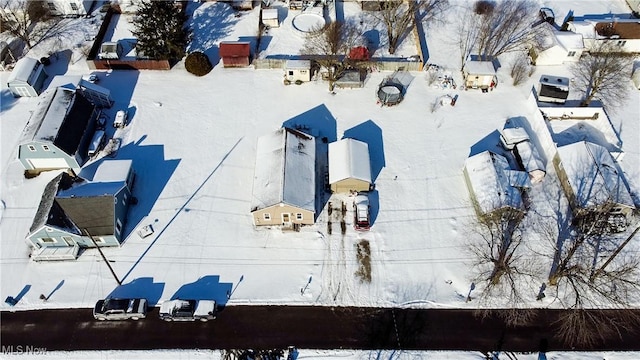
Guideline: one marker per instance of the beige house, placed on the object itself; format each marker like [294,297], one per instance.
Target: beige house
[480,73]
[297,71]
[349,166]
[284,181]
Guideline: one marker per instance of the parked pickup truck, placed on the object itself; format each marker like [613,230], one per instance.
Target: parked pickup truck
[188,310]
[120,309]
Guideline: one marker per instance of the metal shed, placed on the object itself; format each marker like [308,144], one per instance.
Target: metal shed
[27,78]
[235,54]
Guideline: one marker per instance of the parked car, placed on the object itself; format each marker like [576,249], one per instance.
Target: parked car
[97,142]
[121,119]
[361,210]
[120,309]
[188,310]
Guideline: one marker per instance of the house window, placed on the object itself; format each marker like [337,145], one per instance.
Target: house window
[68,240]
[290,73]
[299,216]
[47,240]
[621,43]
[118,226]
[571,54]
[32,148]
[267,216]
[74,7]
[45,147]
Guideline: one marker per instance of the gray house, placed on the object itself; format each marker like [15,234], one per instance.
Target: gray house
[72,210]
[27,78]
[58,133]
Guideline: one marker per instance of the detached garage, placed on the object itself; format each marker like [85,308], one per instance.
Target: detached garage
[27,78]
[349,166]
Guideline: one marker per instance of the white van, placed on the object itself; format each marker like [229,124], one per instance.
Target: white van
[96,143]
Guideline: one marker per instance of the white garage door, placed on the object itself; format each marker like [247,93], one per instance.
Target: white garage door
[53,163]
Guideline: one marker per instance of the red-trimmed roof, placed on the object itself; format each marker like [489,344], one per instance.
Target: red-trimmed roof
[235,49]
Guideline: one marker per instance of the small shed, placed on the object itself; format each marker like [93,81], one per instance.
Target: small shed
[480,72]
[349,166]
[270,17]
[27,78]
[553,89]
[235,54]
[297,71]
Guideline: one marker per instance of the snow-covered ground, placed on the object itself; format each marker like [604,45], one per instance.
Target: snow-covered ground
[193,145]
[305,354]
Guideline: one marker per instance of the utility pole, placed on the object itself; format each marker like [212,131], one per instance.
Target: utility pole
[103,257]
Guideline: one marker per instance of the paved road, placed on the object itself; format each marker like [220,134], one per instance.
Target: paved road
[263,327]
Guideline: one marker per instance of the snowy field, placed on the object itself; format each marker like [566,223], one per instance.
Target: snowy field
[193,142]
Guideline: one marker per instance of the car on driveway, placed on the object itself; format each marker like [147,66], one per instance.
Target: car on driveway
[121,119]
[361,210]
[120,309]
[188,310]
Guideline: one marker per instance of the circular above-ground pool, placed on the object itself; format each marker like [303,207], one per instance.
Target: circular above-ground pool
[309,21]
[389,94]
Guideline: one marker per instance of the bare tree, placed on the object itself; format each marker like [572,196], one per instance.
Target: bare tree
[591,271]
[602,74]
[520,69]
[20,18]
[398,17]
[502,266]
[330,45]
[495,28]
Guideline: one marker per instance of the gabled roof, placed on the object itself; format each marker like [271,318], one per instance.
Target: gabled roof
[491,181]
[235,49]
[23,69]
[481,65]
[349,159]
[593,175]
[49,212]
[61,117]
[285,170]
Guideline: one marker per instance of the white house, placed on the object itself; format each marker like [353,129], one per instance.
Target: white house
[591,180]
[349,166]
[622,34]
[284,182]
[27,78]
[556,47]
[69,7]
[492,185]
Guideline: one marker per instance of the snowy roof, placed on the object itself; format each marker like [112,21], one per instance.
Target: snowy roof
[298,64]
[285,170]
[479,65]
[49,212]
[269,13]
[593,175]
[349,159]
[490,180]
[569,40]
[49,114]
[585,28]
[71,82]
[23,69]
[113,171]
